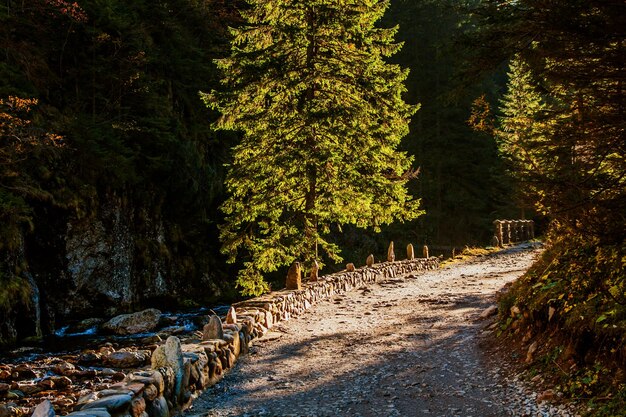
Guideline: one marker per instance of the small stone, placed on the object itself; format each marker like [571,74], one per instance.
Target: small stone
[123,359]
[370,261]
[91,412]
[231,317]
[44,409]
[158,408]
[60,382]
[64,368]
[213,329]
[531,351]
[92,396]
[489,311]
[14,394]
[294,277]
[350,267]
[137,407]
[426,255]
[547,395]
[391,256]
[113,403]
[89,358]
[410,252]
[150,392]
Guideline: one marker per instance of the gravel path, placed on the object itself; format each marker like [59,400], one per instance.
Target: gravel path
[405,347]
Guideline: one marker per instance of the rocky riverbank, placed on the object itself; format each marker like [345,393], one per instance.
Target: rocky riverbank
[156,378]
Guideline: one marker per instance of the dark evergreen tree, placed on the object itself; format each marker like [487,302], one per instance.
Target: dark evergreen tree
[322,115]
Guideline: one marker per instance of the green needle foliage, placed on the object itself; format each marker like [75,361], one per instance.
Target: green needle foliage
[524,135]
[321,114]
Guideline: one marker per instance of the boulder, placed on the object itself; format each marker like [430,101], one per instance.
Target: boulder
[213,329]
[370,261]
[350,267]
[425,252]
[140,322]
[44,409]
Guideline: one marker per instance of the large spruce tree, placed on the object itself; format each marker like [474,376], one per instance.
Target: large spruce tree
[321,114]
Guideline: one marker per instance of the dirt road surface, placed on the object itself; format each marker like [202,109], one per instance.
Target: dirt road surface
[405,347]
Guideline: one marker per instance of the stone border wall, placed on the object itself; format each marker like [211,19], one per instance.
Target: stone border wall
[180,372]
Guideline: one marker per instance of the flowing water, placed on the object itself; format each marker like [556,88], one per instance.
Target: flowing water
[68,339]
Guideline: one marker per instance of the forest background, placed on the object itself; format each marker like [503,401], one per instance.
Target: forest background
[111,178]
[115,127]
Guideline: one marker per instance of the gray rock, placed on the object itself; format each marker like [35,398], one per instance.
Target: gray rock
[213,330]
[91,412]
[113,403]
[126,359]
[44,409]
[140,322]
[158,408]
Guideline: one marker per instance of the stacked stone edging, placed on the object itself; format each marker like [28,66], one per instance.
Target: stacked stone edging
[179,373]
